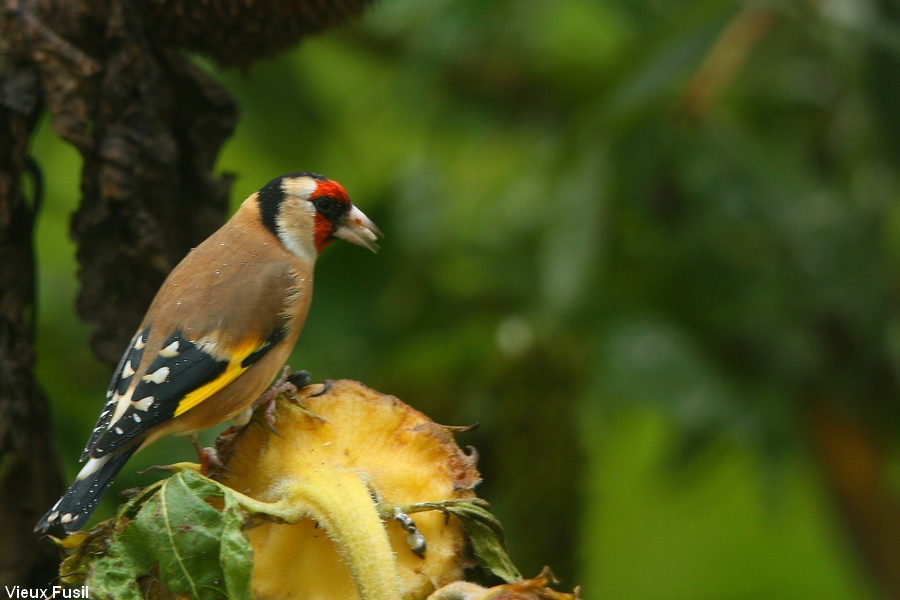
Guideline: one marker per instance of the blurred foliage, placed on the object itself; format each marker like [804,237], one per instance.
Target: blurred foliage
[645,244]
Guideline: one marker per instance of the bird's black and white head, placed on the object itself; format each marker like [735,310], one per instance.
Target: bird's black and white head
[306,212]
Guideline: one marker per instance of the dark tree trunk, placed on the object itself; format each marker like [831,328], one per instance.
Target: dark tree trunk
[30,474]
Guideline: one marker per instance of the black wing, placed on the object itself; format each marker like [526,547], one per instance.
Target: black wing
[182,376]
[121,379]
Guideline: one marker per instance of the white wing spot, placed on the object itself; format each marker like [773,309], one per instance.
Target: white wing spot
[170,351]
[66,518]
[91,467]
[144,403]
[136,417]
[119,430]
[140,343]
[127,370]
[53,516]
[158,376]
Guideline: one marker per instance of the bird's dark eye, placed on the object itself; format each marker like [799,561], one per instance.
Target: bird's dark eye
[324,204]
[330,208]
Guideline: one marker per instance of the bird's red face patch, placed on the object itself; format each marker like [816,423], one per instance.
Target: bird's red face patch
[331,202]
[330,188]
[324,232]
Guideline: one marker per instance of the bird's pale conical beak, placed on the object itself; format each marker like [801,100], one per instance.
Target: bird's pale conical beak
[358,229]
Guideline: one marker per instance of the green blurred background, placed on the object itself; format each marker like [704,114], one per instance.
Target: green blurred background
[652,247]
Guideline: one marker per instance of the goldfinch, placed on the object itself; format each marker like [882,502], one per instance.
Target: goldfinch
[219,329]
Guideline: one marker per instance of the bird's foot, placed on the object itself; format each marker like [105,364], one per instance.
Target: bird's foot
[208,457]
[269,415]
[288,384]
[326,385]
[282,385]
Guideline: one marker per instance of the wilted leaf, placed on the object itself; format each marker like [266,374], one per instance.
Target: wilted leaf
[484,531]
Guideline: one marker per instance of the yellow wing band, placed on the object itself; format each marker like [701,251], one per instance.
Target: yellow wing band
[231,372]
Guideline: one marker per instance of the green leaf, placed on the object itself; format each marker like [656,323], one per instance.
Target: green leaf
[194,547]
[115,575]
[236,557]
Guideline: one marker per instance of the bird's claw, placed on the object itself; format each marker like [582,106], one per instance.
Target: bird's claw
[288,384]
[326,387]
[269,416]
[282,385]
[285,384]
[209,461]
[208,457]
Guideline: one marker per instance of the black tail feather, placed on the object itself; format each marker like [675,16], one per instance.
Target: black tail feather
[78,503]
